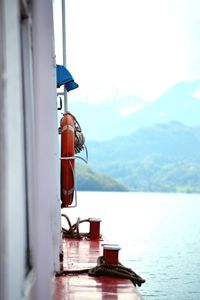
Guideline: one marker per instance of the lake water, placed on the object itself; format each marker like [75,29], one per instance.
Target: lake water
[159,235]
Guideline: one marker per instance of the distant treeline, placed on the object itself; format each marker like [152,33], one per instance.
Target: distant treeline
[88,180]
[161,158]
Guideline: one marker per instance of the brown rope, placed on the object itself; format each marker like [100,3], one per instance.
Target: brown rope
[118,270]
[73,231]
[103,269]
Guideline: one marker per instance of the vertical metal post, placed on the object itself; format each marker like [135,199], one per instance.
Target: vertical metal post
[2,160]
[64,50]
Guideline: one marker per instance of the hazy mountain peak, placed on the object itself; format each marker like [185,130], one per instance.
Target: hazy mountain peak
[122,116]
[184,87]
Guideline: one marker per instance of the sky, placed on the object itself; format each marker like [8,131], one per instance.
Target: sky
[117,48]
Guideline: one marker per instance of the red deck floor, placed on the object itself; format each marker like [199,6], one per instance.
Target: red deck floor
[81,254]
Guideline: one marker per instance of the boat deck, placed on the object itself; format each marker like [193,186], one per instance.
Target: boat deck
[81,254]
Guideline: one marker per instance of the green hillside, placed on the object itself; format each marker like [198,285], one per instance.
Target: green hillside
[88,180]
[161,158]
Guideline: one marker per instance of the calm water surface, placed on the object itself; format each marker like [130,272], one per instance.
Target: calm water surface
[159,235]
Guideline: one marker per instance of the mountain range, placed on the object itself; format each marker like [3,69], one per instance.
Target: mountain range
[161,158]
[143,146]
[122,117]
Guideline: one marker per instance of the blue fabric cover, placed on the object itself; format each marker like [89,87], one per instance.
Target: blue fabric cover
[65,78]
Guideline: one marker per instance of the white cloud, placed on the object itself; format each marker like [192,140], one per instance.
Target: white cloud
[129,110]
[196,94]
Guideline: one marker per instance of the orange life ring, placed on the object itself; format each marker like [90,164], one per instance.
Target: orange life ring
[67,128]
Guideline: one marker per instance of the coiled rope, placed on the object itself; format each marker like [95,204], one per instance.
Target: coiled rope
[79,143]
[117,270]
[73,231]
[103,269]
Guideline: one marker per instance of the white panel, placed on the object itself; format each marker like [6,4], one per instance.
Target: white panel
[41,152]
[47,225]
[15,226]
[30,155]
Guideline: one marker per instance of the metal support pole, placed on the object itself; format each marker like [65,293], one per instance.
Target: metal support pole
[64,50]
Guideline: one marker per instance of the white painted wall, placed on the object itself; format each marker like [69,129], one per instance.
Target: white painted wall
[48,217]
[13,170]
[29,160]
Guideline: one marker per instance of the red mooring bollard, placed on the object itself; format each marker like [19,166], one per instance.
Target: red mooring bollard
[94,228]
[111,253]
